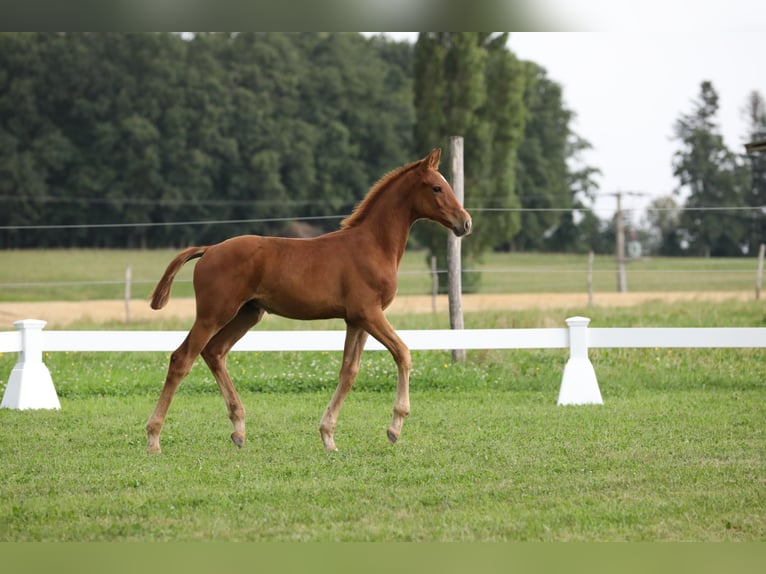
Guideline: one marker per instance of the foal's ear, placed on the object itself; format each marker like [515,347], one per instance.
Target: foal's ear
[432,160]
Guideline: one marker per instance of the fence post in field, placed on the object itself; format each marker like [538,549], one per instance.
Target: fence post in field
[128,280]
[454,270]
[30,385]
[579,385]
[589,279]
[759,272]
[434,283]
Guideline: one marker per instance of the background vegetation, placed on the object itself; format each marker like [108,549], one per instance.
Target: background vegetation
[153,128]
[148,140]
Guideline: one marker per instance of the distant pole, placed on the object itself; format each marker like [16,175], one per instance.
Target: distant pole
[622,279]
[619,227]
[589,280]
[128,279]
[434,283]
[759,273]
[454,272]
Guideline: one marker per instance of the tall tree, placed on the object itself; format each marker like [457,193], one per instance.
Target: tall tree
[712,177]
[506,114]
[664,226]
[469,84]
[755,114]
[544,182]
[577,229]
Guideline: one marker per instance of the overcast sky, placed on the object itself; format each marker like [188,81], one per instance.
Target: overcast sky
[628,89]
[630,81]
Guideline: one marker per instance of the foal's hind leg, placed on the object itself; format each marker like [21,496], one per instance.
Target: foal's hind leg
[215,353]
[181,362]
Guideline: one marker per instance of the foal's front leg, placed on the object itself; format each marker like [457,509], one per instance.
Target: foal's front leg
[402,400]
[356,337]
[381,329]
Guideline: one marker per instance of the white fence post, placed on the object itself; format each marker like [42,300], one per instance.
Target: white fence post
[30,385]
[578,384]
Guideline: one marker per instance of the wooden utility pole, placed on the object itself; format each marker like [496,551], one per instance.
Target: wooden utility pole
[128,281]
[619,224]
[434,283]
[753,148]
[759,272]
[619,229]
[454,271]
[589,279]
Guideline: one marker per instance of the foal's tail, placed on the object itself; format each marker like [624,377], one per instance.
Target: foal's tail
[161,292]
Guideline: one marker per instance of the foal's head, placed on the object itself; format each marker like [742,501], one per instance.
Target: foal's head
[434,199]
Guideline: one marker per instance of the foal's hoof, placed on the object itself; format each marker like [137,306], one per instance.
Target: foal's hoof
[238,439]
[152,449]
[329,444]
[327,440]
[391,436]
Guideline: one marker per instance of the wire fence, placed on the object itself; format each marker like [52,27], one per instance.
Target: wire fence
[575,277]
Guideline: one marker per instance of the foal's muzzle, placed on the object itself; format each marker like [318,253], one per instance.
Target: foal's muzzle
[463,228]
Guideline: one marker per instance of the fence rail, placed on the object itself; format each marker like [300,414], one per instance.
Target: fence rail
[30,384]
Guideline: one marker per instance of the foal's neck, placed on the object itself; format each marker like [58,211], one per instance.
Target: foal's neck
[390,221]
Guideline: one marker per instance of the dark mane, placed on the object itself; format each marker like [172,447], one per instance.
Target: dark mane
[360,211]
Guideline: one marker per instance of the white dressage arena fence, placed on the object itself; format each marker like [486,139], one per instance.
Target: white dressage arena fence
[30,385]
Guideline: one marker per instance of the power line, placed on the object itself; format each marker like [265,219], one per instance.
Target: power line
[113,201]
[161,201]
[165,223]
[760,208]
[122,200]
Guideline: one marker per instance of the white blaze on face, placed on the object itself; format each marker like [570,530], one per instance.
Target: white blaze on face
[443,178]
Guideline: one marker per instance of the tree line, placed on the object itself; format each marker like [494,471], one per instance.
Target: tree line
[132,128]
[156,128]
[279,133]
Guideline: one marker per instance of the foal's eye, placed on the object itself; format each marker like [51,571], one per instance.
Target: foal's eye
[437,188]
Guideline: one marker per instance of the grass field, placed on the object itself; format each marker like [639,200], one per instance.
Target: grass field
[677,452]
[73,275]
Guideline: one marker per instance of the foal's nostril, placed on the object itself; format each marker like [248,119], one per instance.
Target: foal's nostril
[468,226]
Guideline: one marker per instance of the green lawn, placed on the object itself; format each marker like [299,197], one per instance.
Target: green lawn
[677,451]
[471,465]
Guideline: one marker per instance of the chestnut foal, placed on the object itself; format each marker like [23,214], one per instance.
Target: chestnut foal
[350,274]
